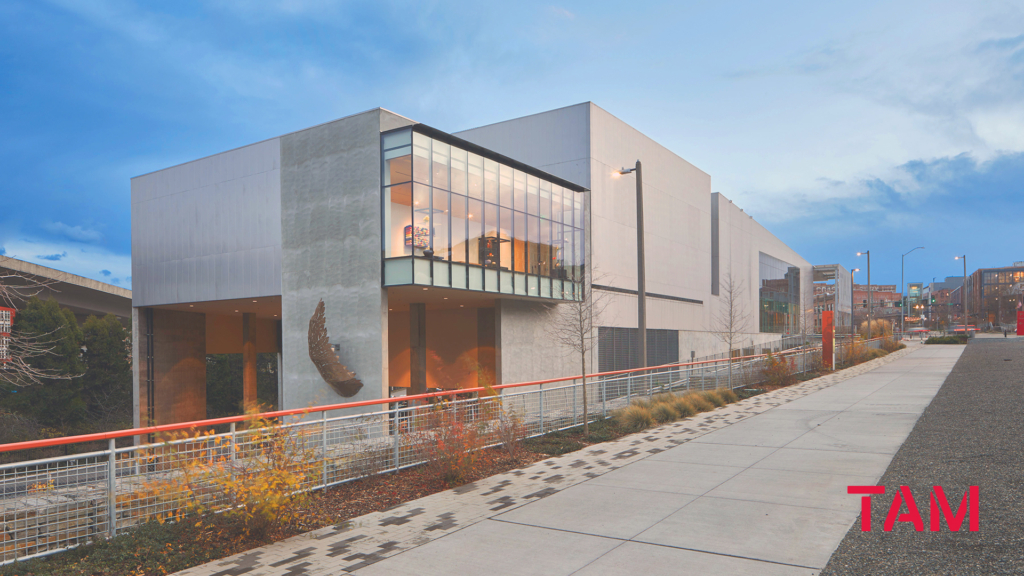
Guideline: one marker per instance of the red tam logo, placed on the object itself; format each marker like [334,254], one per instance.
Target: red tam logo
[938,509]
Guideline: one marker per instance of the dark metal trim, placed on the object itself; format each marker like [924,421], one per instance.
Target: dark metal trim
[648,294]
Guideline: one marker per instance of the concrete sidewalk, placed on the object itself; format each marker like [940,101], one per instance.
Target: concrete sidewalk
[763,496]
[757,487]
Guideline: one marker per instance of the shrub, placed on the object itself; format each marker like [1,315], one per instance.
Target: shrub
[875,353]
[647,403]
[511,433]
[683,407]
[713,398]
[664,412]
[891,344]
[878,328]
[728,395]
[777,371]
[955,339]
[699,402]
[663,398]
[635,418]
[452,442]
[258,480]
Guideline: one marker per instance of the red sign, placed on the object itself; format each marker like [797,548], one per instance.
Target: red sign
[1020,322]
[938,509]
[6,321]
[828,340]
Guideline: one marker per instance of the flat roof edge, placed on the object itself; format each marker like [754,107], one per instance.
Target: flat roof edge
[61,276]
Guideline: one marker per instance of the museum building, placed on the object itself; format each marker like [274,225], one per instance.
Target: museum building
[374,255]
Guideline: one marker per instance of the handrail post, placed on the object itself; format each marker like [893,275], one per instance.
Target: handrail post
[323,451]
[398,430]
[541,403]
[111,489]
[574,409]
[604,398]
[234,449]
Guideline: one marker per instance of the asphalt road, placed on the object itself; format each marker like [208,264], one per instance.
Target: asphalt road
[972,434]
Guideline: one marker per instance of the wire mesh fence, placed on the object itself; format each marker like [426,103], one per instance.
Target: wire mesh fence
[58,503]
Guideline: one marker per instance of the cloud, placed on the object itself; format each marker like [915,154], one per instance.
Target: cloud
[562,13]
[73,232]
[105,272]
[3,251]
[77,258]
[947,215]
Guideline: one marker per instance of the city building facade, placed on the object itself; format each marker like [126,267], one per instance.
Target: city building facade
[377,256]
[994,295]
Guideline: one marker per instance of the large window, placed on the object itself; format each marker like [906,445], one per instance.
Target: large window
[445,204]
[778,296]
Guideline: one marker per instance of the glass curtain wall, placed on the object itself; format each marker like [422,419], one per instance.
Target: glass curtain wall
[778,295]
[497,228]
[1001,292]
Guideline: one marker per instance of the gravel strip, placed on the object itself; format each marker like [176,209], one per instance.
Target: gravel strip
[972,434]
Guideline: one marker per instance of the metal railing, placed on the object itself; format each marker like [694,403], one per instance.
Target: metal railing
[53,504]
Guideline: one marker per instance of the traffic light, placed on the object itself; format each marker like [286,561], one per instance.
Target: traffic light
[899,303]
[933,300]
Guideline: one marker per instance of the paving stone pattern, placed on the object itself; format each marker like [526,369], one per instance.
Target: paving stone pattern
[362,541]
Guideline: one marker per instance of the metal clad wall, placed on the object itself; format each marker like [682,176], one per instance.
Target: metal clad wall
[618,348]
[556,141]
[209,229]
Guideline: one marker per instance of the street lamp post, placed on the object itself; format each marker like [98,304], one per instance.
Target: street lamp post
[903,287]
[871,306]
[852,323]
[963,292]
[641,288]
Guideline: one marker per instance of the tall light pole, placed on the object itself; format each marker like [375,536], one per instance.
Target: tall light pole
[903,286]
[641,287]
[871,306]
[963,292]
[852,323]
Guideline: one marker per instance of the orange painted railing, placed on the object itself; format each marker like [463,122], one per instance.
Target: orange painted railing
[348,405]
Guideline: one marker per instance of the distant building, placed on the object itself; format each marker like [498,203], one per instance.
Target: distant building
[995,294]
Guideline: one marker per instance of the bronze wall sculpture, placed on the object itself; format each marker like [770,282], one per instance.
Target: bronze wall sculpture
[341,379]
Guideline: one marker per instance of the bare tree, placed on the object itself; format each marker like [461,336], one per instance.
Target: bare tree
[572,325]
[731,320]
[24,348]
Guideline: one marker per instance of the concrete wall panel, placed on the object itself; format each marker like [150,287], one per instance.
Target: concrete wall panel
[331,247]
[529,351]
[208,229]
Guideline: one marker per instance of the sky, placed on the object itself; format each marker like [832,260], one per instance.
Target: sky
[840,126]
